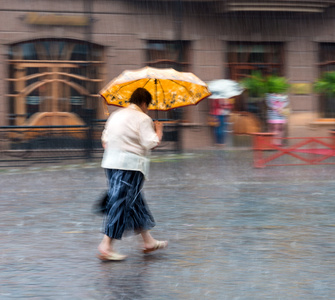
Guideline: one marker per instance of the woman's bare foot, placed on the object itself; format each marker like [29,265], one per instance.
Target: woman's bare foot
[106,251]
[105,246]
[150,244]
[106,255]
[156,245]
[111,256]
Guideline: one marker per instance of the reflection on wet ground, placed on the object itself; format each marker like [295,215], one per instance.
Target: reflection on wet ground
[235,232]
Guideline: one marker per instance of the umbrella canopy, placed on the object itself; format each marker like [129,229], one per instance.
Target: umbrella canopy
[168,87]
[224,89]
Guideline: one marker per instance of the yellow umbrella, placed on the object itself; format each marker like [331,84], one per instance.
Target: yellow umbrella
[168,87]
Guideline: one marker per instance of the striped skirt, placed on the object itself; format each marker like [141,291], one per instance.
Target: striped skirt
[127,210]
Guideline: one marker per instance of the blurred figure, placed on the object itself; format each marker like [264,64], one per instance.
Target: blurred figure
[277,114]
[128,137]
[220,110]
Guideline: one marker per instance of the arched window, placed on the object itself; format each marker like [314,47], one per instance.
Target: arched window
[52,75]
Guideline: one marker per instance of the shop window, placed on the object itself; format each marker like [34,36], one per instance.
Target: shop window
[52,75]
[327,64]
[168,54]
[244,58]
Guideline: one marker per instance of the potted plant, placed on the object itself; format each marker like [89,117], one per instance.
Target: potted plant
[276,92]
[255,84]
[276,84]
[277,106]
[258,85]
[264,90]
[326,84]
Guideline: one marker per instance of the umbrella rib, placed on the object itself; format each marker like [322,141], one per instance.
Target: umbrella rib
[186,89]
[129,83]
[146,82]
[162,90]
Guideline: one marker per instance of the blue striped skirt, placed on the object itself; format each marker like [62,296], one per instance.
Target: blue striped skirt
[127,210]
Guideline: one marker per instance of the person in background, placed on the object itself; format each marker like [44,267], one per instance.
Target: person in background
[128,137]
[220,109]
[277,114]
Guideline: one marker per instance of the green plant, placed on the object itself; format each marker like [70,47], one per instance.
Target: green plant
[255,84]
[326,84]
[259,85]
[276,84]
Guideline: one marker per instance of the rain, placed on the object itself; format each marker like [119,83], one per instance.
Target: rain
[242,183]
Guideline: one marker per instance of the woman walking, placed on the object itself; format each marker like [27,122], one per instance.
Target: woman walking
[128,137]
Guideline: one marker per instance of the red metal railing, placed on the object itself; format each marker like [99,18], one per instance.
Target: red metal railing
[306,150]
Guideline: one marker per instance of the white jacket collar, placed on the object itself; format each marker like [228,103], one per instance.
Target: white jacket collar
[135,107]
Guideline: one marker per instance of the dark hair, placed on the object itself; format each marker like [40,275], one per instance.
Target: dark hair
[140,96]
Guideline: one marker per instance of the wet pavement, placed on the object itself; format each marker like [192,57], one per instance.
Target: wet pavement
[235,232]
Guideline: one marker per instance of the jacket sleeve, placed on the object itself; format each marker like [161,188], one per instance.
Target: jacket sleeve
[104,135]
[148,137]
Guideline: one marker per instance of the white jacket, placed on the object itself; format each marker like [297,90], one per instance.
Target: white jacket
[129,136]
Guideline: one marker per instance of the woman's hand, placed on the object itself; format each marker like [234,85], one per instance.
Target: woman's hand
[159,129]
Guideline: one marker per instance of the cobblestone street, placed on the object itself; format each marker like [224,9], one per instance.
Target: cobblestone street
[235,232]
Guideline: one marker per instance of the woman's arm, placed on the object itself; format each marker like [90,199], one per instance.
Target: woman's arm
[159,129]
[150,134]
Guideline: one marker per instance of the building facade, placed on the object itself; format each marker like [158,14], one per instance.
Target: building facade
[56,55]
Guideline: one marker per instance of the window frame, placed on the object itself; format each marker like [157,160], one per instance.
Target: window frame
[38,69]
[326,105]
[236,68]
